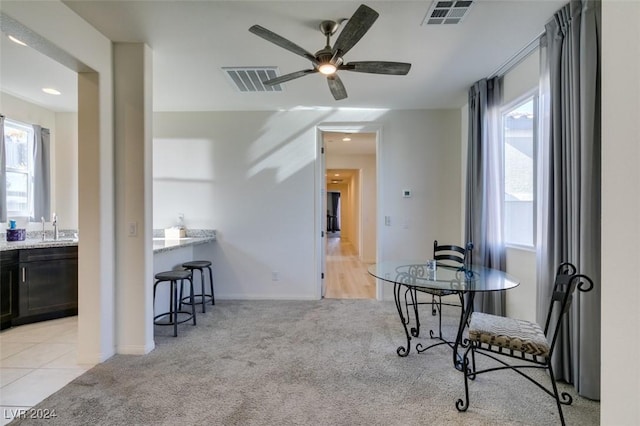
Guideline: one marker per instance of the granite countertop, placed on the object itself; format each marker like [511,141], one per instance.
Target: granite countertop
[160,244]
[31,243]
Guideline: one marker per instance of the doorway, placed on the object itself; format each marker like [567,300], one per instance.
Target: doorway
[350,187]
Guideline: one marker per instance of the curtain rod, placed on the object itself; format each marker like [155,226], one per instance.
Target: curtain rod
[518,57]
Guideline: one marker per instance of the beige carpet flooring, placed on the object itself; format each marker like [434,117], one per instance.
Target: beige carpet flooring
[329,362]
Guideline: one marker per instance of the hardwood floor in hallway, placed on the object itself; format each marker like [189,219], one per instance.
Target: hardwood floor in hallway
[346,275]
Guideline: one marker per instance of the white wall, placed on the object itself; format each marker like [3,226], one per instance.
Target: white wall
[27,112]
[132,78]
[522,78]
[251,176]
[620,213]
[64,156]
[66,170]
[366,164]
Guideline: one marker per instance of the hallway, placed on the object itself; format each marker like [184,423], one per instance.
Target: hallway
[347,277]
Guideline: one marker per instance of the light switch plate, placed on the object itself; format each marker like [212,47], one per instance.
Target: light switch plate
[133,229]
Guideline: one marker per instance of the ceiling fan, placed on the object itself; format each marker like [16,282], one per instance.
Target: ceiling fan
[329,60]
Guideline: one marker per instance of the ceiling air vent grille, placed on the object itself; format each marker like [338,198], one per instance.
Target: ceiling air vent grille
[249,79]
[447,12]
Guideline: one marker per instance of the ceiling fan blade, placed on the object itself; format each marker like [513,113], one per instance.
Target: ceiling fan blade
[378,67]
[288,77]
[356,27]
[337,88]
[282,42]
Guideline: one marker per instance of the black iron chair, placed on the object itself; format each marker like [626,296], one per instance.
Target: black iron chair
[447,255]
[503,339]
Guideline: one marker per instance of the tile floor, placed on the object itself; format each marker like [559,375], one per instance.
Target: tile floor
[35,361]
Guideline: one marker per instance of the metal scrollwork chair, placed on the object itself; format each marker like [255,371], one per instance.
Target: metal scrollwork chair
[447,255]
[524,341]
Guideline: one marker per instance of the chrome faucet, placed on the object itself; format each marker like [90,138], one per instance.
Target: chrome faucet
[54,221]
[43,233]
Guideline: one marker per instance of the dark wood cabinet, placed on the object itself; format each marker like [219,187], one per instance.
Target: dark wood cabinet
[8,287]
[47,284]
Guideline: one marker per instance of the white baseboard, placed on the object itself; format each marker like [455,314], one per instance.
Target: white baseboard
[245,296]
[135,349]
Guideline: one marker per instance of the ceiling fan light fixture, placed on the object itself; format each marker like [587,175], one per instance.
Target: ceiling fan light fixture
[327,69]
[328,60]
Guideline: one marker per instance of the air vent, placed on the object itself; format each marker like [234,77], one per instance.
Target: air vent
[249,79]
[447,12]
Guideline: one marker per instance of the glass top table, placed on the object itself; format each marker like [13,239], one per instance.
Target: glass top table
[409,277]
[415,273]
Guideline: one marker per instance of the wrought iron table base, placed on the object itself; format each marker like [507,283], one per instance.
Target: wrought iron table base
[410,292]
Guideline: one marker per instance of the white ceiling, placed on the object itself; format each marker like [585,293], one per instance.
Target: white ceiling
[192,40]
[360,143]
[24,72]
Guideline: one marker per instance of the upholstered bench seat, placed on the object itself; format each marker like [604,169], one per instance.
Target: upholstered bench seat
[509,333]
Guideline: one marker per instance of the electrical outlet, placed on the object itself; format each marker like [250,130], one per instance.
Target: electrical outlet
[274,276]
[387,221]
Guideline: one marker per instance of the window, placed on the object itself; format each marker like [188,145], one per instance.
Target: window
[18,140]
[519,138]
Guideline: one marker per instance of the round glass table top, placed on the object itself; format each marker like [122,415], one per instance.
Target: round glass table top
[416,274]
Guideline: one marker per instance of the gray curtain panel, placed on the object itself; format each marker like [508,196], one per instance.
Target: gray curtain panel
[41,174]
[3,174]
[569,184]
[484,196]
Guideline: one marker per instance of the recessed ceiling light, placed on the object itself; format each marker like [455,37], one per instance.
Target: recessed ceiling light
[51,91]
[347,139]
[337,174]
[17,41]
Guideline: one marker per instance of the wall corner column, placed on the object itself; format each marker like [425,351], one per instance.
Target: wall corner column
[133,198]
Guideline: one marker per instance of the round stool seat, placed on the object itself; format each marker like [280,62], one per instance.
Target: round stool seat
[196,264]
[173,275]
[203,297]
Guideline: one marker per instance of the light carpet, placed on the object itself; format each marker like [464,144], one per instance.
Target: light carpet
[328,362]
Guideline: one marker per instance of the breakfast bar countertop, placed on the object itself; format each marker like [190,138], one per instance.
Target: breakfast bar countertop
[161,245]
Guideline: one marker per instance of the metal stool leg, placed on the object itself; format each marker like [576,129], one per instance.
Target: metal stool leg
[213,298]
[193,301]
[174,292]
[202,289]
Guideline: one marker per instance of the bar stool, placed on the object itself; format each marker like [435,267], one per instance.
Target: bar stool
[173,277]
[200,265]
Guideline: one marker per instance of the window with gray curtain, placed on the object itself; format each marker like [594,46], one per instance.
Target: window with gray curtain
[41,174]
[569,184]
[484,195]
[25,181]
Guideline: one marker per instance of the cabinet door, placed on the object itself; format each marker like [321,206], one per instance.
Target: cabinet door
[48,286]
[8,288]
